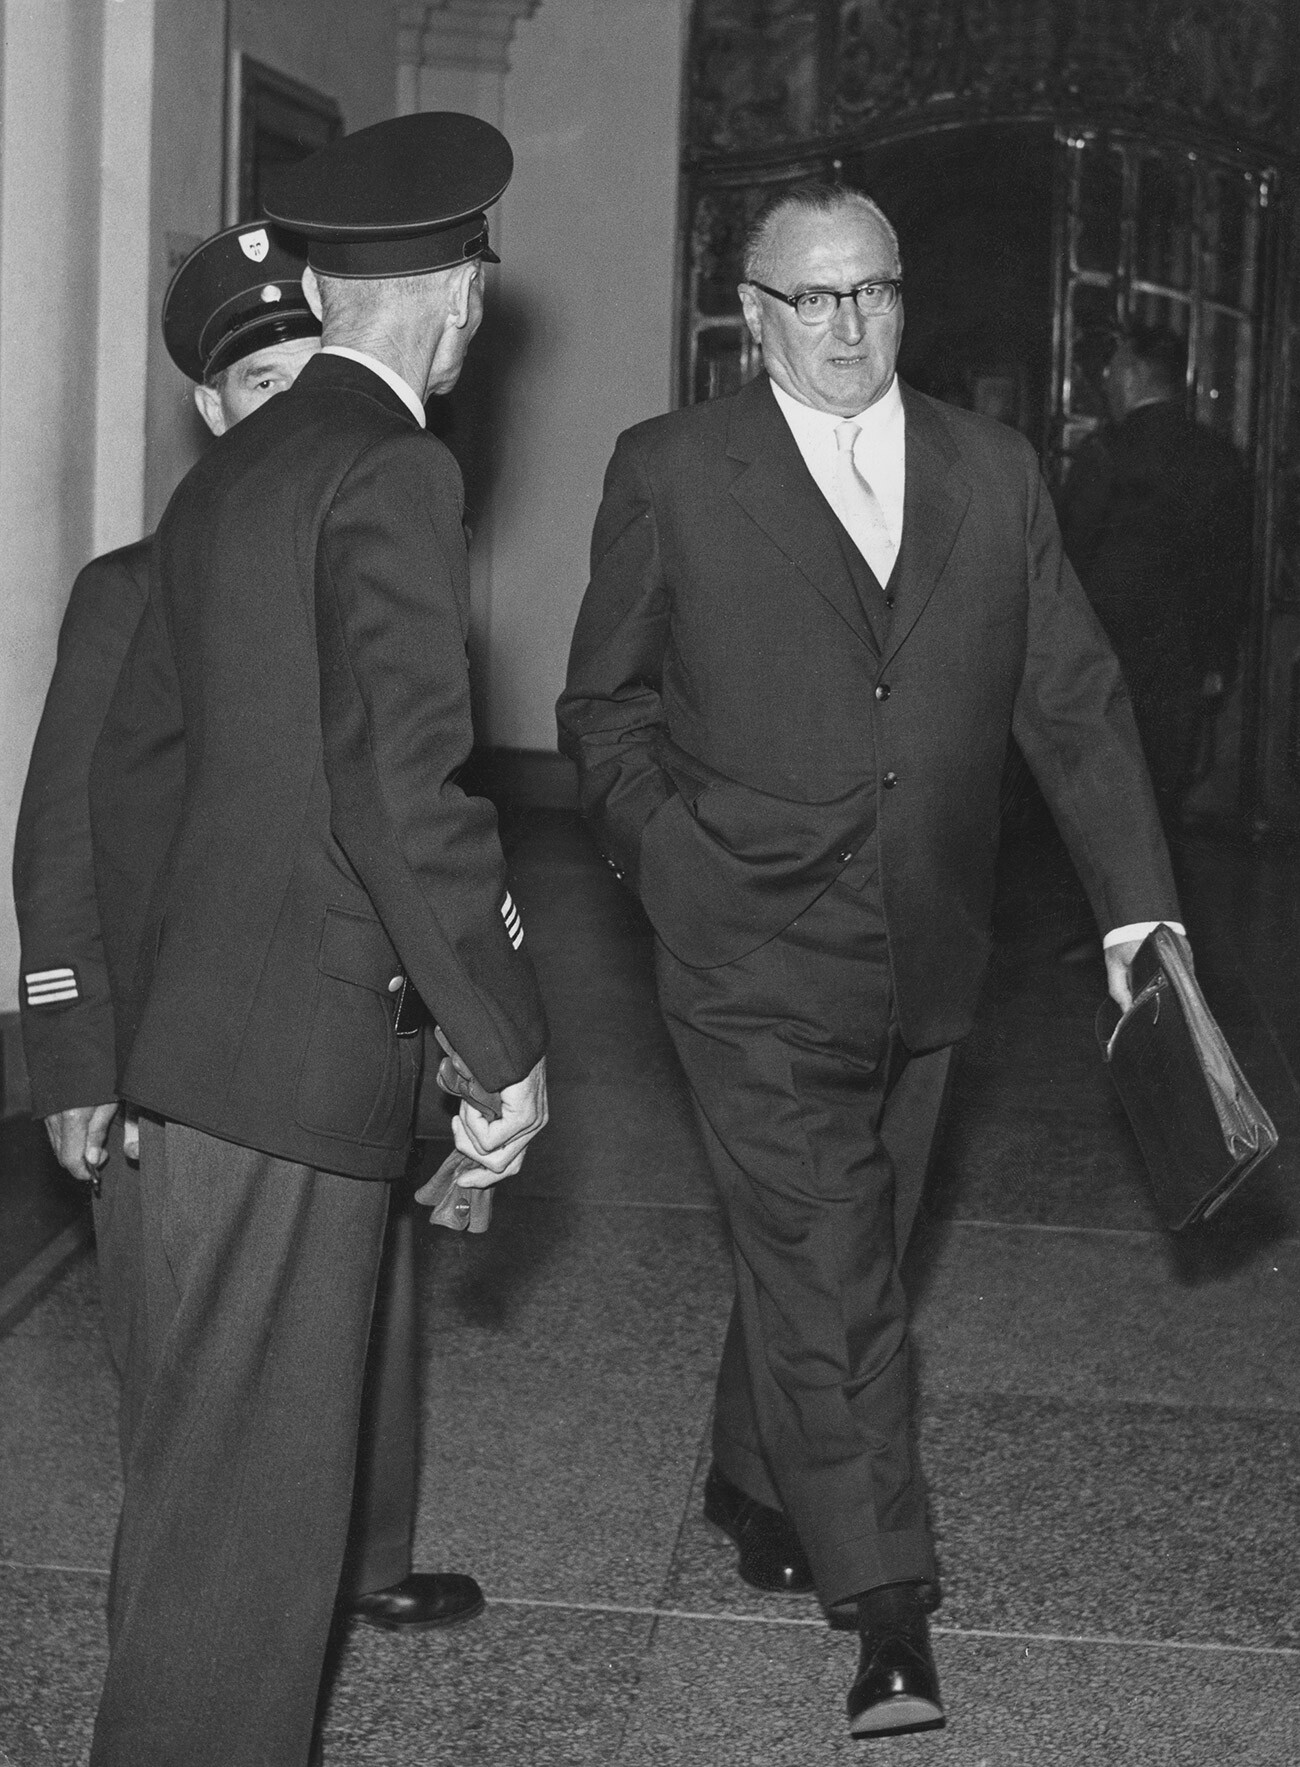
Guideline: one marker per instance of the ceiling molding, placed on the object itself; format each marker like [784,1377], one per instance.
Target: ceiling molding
[474,34]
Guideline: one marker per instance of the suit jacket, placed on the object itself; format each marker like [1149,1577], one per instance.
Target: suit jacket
[67,1025]
[305,648]
[750,719]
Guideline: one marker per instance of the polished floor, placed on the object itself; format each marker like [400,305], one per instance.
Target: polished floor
[1110,1416]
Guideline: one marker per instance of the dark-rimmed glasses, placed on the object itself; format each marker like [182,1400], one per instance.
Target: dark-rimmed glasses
[816,305]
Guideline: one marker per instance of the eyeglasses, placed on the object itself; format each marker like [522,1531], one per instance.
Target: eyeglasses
[816,305]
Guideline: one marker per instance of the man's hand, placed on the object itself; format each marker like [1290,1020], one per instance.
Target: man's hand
[78,1136]
[497,1148]
[1119,962]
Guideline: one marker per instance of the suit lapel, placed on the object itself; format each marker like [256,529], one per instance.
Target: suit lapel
[776,490]
[934,507]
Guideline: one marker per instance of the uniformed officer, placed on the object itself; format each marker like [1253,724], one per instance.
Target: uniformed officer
[235,320]
[294,711]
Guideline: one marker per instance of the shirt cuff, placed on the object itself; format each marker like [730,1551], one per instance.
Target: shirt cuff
[1139,929]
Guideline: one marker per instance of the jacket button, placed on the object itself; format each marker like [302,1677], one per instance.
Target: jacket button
[889,601]
[882,692]
[845,857]
[395,984]
[890,781]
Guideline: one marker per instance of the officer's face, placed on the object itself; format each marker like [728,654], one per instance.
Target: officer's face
[846,363]
[253,380]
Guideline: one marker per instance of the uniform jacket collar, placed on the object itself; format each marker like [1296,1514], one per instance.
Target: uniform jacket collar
[339,372]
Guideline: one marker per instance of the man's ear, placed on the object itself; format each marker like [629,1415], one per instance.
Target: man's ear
[208,402]
[469,276]
[311,290]
[751,307]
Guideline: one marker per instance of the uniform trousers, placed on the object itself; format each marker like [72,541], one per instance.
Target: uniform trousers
[254,1282]
[382,1530]
[818,1124]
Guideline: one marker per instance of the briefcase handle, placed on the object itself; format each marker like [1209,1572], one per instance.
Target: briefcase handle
[1152,991]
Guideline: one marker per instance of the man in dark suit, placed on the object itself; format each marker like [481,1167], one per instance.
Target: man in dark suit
[236,322]
[818,610]
[308,877]
[1155,517]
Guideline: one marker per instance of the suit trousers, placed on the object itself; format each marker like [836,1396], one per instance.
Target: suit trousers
[818,1125]
[255,1283]
[383,1504]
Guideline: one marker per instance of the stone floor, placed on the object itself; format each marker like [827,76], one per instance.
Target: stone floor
[1110,1416]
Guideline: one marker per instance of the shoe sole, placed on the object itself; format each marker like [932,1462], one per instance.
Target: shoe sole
[458,1619]
[906,1712]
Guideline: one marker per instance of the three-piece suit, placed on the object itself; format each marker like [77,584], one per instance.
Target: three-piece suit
[797,768]
[68,1037]
[294,710]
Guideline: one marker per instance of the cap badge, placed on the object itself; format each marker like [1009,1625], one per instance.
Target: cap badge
[255,245]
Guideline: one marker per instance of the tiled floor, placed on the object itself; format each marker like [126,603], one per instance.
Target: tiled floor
[1110,1417]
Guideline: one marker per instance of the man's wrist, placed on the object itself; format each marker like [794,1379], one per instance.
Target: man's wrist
[1138,929]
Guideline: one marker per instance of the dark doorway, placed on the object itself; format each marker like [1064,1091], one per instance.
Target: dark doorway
[973,209]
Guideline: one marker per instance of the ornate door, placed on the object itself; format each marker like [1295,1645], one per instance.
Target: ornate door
[1152,234]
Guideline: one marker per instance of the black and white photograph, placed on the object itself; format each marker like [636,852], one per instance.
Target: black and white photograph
[650,777]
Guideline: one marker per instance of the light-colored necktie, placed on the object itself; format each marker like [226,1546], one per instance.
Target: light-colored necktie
[858,507]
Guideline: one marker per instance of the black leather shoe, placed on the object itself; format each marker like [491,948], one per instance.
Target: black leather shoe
[420,1601]
[897,1685]
[771,1557]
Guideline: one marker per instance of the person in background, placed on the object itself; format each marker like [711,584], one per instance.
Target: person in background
[1155,517]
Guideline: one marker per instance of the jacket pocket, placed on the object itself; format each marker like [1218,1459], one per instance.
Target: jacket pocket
[353,1081]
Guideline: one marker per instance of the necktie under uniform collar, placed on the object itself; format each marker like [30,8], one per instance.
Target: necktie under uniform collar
[858,507]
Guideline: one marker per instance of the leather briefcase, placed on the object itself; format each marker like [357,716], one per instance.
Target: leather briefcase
[1200,1127]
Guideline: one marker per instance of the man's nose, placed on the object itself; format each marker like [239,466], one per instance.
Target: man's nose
[849,325]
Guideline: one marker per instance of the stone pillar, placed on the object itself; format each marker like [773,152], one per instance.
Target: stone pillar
[454,54]
[578,341]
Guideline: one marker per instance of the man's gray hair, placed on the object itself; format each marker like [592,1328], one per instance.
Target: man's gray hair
[815,194]
[352,300]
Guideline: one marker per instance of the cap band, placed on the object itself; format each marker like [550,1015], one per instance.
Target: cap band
[412,254]
[258,332]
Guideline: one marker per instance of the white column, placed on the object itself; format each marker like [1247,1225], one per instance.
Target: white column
[582,309]
[592,109]
[455,55]
[124,315]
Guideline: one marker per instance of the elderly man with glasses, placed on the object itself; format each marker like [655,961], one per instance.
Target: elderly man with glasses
[818,611]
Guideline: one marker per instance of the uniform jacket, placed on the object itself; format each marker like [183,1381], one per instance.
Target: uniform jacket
[304,649]
[750,719]
[67,1014]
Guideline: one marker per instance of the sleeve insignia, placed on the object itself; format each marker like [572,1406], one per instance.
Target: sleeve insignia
[51,987]
[514,926]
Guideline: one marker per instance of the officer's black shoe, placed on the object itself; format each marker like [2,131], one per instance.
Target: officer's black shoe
[771,1557]
[420,1601]
[897,1685]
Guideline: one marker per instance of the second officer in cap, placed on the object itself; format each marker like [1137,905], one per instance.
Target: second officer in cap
[236,322]
[305,649]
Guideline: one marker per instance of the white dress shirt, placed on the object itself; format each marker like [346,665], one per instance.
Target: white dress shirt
[879,453]
[405,392]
